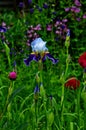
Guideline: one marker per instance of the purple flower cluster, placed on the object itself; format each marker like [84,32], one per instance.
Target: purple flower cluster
[3,29]
[84,16]
[37,7]
[32,33]
[49,27]
[75,10]
[59,27]
[77,3]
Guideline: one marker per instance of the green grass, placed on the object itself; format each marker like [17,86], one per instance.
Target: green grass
[54,107]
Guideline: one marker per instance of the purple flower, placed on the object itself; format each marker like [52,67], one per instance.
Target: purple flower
[75,9]
[67,9]
[84,16]
[29,1]
[45,5]
[21,5]
[54,13]
[78,19]
[31,10]
[49,27]
[77,3]
[36,90]
[36,93]
[40,52]
[40,9]
[68,32]
[3,29]
[62,26]
[64,20]
[38,27]
[3,24]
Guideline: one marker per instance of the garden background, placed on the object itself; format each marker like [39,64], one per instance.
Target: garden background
[44,95]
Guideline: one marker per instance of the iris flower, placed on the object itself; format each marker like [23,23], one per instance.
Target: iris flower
[39,52]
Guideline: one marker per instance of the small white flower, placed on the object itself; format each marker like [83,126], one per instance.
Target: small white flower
[38,45]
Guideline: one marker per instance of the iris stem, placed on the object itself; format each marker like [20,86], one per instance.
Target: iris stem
[63,79]
[40,70]
[43,91]
[36,115]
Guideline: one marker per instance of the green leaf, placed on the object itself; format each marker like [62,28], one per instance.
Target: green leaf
[15,93]
[50,118]
[7,53]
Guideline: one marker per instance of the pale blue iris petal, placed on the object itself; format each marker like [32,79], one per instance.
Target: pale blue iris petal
[39,45]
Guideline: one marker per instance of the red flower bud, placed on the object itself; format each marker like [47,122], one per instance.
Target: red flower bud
[72,83]
[12,75]
[82,60]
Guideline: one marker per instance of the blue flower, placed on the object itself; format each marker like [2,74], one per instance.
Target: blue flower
[67,40]
[3,29]
[21,5]
[36,90]
[39,52]
[68,32]
[29,1]
[36,93]
[31,10]
[45,5]
[38,45]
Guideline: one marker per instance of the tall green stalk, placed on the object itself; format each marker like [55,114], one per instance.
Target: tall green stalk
[67,43]
[7,107]
[7,49]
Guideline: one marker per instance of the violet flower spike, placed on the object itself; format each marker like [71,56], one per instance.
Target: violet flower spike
[39,52]
[68,32]
[36,90]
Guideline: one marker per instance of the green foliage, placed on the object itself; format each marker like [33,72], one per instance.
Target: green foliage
[55,107]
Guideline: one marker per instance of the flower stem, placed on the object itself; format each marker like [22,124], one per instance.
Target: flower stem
[63,81]
[36,115]
[8,105]
[41,69]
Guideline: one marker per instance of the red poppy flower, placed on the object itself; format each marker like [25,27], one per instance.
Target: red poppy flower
[82,60]
[72,83]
